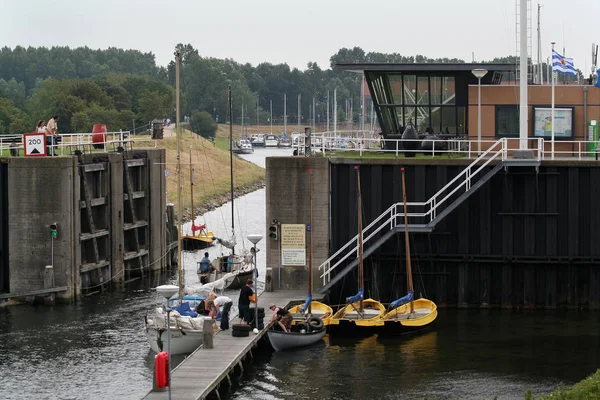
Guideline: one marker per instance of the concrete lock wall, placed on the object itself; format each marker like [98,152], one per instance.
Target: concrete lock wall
[287,198]
[42,191]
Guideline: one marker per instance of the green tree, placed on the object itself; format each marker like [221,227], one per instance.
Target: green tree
[203,124]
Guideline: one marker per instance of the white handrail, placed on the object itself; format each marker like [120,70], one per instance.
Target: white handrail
[499,148]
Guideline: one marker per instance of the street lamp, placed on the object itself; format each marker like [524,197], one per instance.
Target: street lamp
[255,239]
[479,73]
[167,291]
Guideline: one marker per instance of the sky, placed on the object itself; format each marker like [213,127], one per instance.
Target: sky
[280,31]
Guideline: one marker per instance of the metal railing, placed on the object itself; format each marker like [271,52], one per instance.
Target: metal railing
[70,142]
[498,151]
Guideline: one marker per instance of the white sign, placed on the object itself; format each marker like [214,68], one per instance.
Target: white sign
[34,144]
[293,244]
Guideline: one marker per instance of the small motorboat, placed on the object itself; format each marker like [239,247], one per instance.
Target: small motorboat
[288,340]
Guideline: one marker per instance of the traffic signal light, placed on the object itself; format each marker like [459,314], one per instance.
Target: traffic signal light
[54,230]
[273,232]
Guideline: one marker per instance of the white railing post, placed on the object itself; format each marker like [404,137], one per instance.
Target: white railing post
[396,147]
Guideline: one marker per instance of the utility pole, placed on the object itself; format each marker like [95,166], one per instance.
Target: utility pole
[299,111]
[285,114]
[328,111]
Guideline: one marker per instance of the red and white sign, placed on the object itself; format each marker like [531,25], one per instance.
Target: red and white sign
[34,144]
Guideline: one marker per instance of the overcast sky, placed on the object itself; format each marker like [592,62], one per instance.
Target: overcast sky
[280,31]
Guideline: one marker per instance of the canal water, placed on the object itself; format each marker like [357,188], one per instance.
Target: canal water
[96,349]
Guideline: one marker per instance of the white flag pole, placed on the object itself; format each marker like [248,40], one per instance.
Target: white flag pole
[552,115]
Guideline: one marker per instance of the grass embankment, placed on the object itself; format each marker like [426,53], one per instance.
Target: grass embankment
[587,389]
[211,173]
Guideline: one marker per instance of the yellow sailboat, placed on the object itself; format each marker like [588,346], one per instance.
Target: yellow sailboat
[359,316]
[202,239]
[310,307]
[408,315]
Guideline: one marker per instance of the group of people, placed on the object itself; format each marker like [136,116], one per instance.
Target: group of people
[51,132]
[218,307]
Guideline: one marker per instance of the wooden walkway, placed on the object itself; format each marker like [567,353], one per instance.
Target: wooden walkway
[202,372]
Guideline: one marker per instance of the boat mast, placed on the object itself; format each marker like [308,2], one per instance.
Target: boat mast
[360,240]
[192,193]
[179,206]
[407,244]
[310,240]
[231,168]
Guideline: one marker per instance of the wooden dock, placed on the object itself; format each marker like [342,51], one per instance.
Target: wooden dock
[202,373]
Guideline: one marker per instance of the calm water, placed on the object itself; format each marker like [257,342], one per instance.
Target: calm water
[96,349]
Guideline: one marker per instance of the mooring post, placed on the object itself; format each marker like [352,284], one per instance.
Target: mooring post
[207,329]
[269,280]
[49,283]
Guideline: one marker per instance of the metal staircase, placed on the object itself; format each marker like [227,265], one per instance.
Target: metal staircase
[431,212]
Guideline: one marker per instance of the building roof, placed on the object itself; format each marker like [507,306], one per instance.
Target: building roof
[414,67]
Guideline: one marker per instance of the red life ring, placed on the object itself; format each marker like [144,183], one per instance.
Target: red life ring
[161,369]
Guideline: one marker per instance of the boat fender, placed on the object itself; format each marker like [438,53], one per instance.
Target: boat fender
[161,369]
[315,323]
[301,327]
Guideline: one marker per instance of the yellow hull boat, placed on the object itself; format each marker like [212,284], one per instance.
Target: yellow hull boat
[351,321]
[401,320]
[318,309]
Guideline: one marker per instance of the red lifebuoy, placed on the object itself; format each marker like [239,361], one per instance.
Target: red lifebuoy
[161,369]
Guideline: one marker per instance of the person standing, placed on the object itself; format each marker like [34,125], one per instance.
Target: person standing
[246,294]
[52,129]
[226,303]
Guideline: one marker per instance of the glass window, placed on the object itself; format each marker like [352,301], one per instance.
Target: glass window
[448,90]
[422,90]
[435,86]
[390,118]
[410,89]
[449,120]
[462,120]
[507,121]
[436,119]
[410,116]
[396,89]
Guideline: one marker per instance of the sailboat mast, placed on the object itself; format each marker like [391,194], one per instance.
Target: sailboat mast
[360,240]
[192,192]
[310,240]
[231,167]
[407,244]
[179,205]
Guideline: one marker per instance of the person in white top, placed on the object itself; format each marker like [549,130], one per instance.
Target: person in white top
[52,130]
[226,303]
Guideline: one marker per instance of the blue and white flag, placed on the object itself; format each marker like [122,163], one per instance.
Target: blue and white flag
[562,64]
[597,79]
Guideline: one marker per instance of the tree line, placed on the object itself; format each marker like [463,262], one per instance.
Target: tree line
[123,88]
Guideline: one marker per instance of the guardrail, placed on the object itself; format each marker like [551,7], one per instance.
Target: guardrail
[71,142]
[497,151]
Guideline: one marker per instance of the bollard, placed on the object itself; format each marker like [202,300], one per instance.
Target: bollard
[269,280]
[207,329]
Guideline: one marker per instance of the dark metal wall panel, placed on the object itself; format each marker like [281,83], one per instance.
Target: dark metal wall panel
[524,239]
[4,271]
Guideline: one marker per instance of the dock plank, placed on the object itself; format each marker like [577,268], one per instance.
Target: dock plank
[202,372]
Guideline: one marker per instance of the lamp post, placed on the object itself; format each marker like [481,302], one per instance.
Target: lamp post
[479,73]
[168,291]
[255,239]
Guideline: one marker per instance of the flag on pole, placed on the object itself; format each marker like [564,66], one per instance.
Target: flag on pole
[597,79]
[562,64]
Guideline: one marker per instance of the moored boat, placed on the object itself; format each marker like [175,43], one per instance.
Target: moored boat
[287,340]
[317,309]
[406,314]
[359,316]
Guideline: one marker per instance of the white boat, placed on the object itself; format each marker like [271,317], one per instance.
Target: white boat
[257,140]
[186,332]
[244,147]
[288,340]
[271,141]
[228,276]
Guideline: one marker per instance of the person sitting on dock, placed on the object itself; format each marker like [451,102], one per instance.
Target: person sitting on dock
[283,317]
[246,295]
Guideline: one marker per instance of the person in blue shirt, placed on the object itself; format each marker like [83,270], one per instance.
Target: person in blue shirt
[205,265]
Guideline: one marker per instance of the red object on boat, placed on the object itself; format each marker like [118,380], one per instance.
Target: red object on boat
[99,133]
[198,227]
[161,369]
